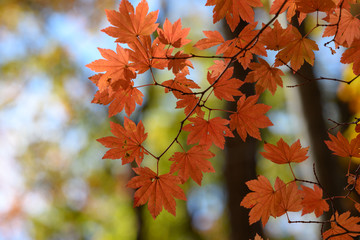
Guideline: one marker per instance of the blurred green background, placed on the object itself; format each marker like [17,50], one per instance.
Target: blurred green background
[53,182]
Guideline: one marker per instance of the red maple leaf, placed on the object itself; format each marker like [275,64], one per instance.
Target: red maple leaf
[249,117]
[226,87]
[208,132]
[347,30]
[180,83]
[146,55]
[308,6]
[125,99]
[297,51]
[157,191]
[192,163]
[116,65]
[213,38]
[189,102]
[261,200]
[288,198]
[265,76]
[336,232]
[341,146]
[180,62]
[173,34]
[233,10]
[313,202]
[291,8]
[244,43]
[351,55]
[282,153]
[128,24]
[276,38]
[127,143]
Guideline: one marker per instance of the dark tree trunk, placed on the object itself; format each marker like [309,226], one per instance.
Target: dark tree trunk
[239,167]
[331,174]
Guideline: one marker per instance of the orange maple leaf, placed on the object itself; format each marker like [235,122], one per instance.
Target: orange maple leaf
[146,55]
[173,34]
[209,132]
[116,65]
[119,99]
[180,83]
[347,30]
[226,87]
[313,202]
[258,237]
[233,10]
[125,99]
[158,191]
[213,38]
[351,55]
[249,117]
[180,62]
[127,142]
[309,6]
[230,48]
[265,76]
[288,198]
[192,163]
[351,224]
[291,8]
[189,102]
[282,153]
[341,146]
[276,38]
[296,51]
[261,200]
[128,24]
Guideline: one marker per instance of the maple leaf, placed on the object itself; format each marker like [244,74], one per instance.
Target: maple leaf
[218,67]
[116,66]
[230,48]
[144,52]
[313,202]
[351,55]
[341,146]
[291,8]
[180,62]
[287,196]
[128,24]
[265,76]
[125,98]
[173,34]
[308,6]
[298,50]
[208,132]
[213,38]
[226,87]
[127,142]
[357,128]
[249,117]
[192,163]
[180,83]
[157,191]
[233,10]
[261,200]
[347,30]
[282,153]
[276,38]
[345,221]
[189,102]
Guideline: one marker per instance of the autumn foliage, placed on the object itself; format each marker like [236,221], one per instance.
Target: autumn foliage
[150,47]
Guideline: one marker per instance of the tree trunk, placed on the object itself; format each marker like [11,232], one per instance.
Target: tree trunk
[240,166]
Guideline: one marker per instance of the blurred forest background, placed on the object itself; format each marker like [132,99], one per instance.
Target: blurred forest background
[53,182]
